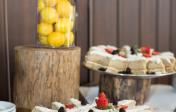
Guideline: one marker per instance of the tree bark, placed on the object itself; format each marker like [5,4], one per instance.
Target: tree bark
[45,75]
[125,88]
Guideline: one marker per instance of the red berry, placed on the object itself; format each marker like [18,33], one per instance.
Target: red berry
[102,101]
[146,50]
[147,55]
[156,53]
[109,50]
[123,107]
[69,106]
[102,94]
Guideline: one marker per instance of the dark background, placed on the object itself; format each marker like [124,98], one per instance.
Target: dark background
[114,22]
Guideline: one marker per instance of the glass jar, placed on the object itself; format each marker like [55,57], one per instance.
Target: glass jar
[56,22]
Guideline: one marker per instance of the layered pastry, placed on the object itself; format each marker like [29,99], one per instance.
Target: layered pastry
[155,64]
[101,104]
[130,60]
[97,57]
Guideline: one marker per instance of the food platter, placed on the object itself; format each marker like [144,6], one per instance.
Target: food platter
[141,76]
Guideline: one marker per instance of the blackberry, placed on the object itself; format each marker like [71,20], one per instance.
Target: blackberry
[61,109]
[114,52]
[102,69]
[90,110]
[151,73]
[122,110]
[128,71]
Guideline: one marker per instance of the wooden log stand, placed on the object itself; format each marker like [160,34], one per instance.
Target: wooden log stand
[45,75]
[117,87]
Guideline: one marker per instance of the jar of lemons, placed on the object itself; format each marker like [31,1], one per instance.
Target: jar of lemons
[56,23]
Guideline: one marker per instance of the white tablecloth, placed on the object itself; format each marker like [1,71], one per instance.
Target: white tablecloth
[162,97]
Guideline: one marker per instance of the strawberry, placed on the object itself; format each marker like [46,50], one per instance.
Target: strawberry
[147,55]
[155,53]
[102,94]
[69,106]
[102,101]
[109,50]
[146,50]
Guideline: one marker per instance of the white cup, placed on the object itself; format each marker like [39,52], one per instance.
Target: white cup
[7,107]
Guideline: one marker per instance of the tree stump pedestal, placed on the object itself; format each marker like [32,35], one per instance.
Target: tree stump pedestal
[45,75]
[117,87]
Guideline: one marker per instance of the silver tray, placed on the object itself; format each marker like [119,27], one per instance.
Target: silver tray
[142,76]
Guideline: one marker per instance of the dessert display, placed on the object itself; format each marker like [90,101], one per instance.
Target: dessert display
[129,60]
[55,23]
[101,104]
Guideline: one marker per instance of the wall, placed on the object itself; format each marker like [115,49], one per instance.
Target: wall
[115,22]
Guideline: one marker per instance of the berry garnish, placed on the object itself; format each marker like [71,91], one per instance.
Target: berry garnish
[151,73]
[128,71]
[114,52]
[146,50]
[69,106]
[122,110]
[102,101]
[61,109]
[133,51]
[155,53]
[102,69]
[109,50]
[147,55]
[90,110]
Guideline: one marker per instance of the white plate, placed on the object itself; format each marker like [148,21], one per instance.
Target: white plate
[7,107]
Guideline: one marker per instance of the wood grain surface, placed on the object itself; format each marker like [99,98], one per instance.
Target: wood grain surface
[45,75]
[125,88]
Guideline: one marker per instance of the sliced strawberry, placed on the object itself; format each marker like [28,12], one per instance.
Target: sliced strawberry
[155,53]
[147,55]
[69,106]
[109,50]
[123,107]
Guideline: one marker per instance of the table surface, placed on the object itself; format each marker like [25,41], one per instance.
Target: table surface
[162,98]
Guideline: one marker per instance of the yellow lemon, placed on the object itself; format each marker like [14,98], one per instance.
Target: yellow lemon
[43,40]
[69,39]
[65,8]
[56,39]
[49,15]
[41,5]
[50,3]
[45,28]
[64,25]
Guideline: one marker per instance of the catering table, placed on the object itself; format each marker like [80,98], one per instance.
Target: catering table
[162,98]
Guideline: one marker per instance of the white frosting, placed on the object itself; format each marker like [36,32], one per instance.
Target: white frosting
[57,105]
[101,53]
[155,59]
[116,57]
[75,102]
[42,109]
[169,54]
[135,58]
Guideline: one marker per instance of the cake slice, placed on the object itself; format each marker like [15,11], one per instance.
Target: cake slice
[117,64]
[168,60]
[137,65]
[155,65]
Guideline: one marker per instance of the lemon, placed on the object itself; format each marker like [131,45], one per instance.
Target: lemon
[43,40]
[65,8]
[41,5]
[50,3]
[69,39]
[45,28]
[49,15]
[56,39]
[64,25]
